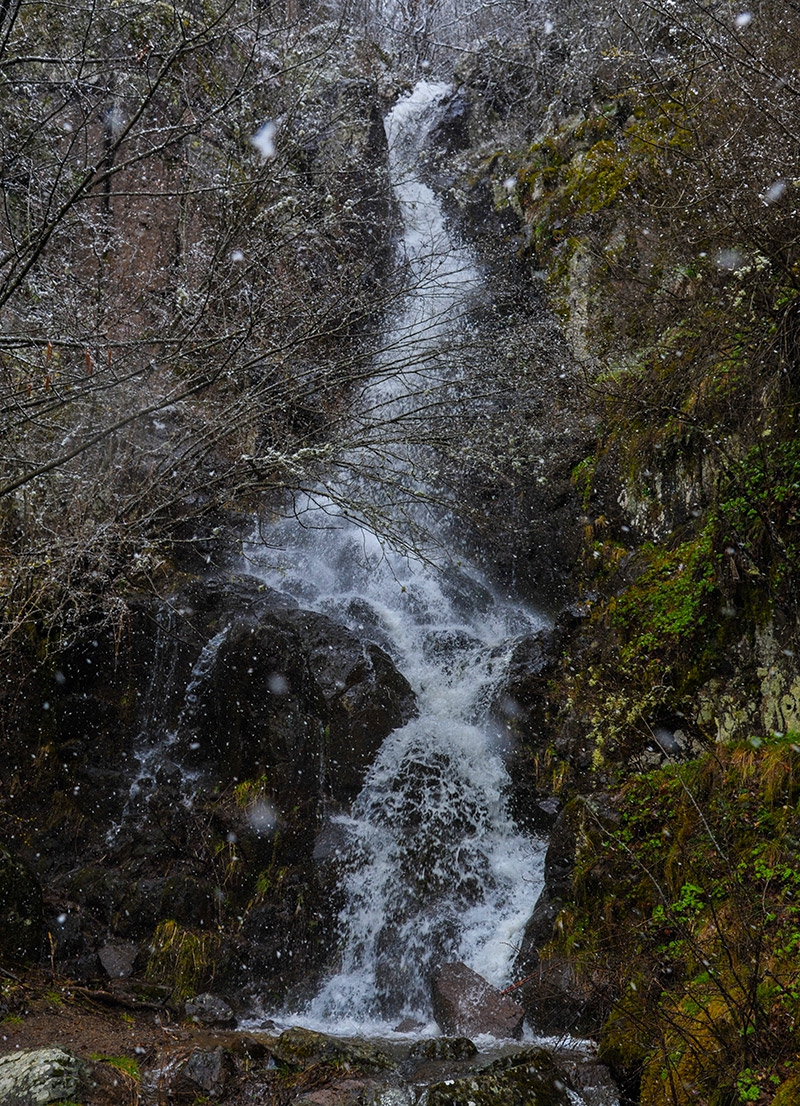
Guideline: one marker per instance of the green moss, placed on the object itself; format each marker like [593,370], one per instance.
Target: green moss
[583,479]
[624,1041]
[181,959]
[671,600]
[125,1064]
[788,1093]
[691,901]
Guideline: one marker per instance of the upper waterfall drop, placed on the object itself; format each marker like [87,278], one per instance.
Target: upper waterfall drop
[433,868]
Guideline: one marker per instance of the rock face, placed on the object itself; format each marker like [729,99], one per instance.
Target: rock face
[555,999]
[39,1076]
[464,1003]
[20,911]
[184,771]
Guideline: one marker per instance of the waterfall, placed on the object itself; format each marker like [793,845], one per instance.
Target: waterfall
[433,866]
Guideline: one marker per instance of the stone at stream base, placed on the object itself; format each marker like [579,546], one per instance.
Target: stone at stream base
[182,1080]
[39,1076]
[465,1004]
[207,1009]
[349,1092]
[532,1077]
[445,1048]
[299,1048]
[118,960]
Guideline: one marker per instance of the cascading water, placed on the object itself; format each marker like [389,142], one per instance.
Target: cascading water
[433,867]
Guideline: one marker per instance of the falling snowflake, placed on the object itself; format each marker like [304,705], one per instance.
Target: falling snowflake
[264,140]
[774,192]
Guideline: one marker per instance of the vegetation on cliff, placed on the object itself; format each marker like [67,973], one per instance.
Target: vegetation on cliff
[659,195]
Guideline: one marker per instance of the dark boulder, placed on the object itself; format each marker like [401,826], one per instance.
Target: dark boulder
[295,696]
[212,1010]
[464,1003]
[531,1077]
[182,1080]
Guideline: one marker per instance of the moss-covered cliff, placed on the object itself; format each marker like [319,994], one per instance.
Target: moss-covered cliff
[659,201]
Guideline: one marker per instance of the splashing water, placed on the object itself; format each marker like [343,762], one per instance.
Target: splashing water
[433,867]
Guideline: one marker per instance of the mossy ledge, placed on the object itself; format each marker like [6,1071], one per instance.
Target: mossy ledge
[670,709]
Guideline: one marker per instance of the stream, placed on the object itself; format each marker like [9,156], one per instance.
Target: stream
[434,869]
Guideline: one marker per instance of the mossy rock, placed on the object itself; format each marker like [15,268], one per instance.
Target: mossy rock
[529,1078]
[624,1044]
[301,1048]
[788,1094]
[445,1048]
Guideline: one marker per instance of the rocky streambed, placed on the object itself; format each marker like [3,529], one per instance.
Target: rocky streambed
[64,1043]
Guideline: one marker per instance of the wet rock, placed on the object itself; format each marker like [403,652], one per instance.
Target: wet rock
[118,960]
[556,999]
[208,1069]
[588,1078]
[39,1076]
[365,696]
[181,1080]
[408,1025]
[445,1048]
[530,1078]
[300,1048]
[20,911]
[347,1092]
[288,692]
[465,1003]
[208,1009]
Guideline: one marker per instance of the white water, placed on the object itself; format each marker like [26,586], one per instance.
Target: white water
[433,867]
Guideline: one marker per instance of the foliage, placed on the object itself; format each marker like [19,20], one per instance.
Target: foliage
[181,959]
[178,334]
[690,903]
[125,1064]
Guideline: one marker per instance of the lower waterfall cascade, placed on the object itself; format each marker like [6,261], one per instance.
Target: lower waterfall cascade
[433,867]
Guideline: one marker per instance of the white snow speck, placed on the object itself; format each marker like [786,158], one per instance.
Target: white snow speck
[774,192]
[729,260]
[264,140]
[743,19]
[262,817]
[278,684]
[510,183]
[237,255]
[548,27]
